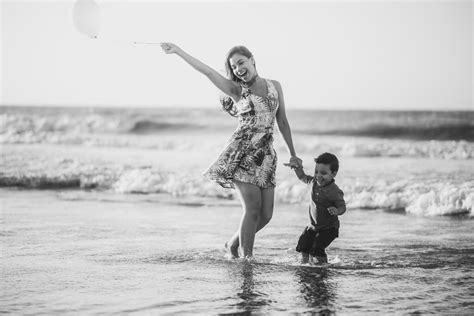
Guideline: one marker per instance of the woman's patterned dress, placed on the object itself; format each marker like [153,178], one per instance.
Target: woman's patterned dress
[249,155]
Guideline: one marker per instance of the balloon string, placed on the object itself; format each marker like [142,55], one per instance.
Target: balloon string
[123,41]
[147,43]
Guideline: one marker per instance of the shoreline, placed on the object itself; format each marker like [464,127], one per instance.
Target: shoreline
[66,254]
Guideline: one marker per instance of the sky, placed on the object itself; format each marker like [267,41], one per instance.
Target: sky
[370,55]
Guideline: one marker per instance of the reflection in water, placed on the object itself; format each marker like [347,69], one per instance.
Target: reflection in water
[316,289]
[259,288]
[250,299]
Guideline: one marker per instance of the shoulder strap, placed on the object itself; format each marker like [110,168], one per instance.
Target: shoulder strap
[271,88]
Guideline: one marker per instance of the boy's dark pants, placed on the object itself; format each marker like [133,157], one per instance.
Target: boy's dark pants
[315,243]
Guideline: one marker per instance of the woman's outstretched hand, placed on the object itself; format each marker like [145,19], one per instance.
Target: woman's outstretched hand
[169,48]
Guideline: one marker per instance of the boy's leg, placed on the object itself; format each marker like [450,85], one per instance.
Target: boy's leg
[322,259]
[322,240]
[305,242]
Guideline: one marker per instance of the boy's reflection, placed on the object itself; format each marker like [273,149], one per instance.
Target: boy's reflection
[316,289]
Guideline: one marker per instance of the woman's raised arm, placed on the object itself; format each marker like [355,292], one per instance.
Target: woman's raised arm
[229,87]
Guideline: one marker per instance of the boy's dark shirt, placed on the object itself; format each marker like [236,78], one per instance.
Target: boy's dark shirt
[323,197]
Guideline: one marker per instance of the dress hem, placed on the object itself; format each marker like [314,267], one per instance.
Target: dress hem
[230,184]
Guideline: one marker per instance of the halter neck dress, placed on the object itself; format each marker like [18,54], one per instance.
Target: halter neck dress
[249,155]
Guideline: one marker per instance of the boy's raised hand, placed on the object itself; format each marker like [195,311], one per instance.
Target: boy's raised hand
[287,164]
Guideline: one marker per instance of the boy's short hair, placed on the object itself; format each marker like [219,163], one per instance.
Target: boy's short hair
[328,159]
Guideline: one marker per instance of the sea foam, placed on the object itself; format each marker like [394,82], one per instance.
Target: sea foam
[416,196]
[81,149]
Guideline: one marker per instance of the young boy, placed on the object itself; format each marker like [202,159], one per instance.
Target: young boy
[327,203]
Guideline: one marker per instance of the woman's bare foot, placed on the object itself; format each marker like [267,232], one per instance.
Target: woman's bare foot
[233,252]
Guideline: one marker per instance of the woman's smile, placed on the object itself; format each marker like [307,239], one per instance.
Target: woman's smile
[242,73]
[242,67]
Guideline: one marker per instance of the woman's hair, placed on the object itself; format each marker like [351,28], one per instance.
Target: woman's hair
[226,101]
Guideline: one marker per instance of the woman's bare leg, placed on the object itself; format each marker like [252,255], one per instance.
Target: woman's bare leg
[251,199]
[268,196]
[266,214]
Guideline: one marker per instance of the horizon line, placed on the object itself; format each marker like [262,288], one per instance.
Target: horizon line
[218,107]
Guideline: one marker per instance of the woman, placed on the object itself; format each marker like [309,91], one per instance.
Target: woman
[248,163]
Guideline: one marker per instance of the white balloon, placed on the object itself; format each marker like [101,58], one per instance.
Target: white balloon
[86,17]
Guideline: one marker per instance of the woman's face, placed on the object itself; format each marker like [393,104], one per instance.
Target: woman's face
[243,67]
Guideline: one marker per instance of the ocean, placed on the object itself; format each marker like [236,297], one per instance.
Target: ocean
[105,211]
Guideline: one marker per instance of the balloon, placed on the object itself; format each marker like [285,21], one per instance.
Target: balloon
[86,17]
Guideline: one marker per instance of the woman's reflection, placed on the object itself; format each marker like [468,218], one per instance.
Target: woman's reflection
[250,299]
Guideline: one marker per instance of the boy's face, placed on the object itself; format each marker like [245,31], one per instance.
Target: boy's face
[323,174]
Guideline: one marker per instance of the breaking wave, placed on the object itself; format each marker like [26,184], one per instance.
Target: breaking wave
[426,198]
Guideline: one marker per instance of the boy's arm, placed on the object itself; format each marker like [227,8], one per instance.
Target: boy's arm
[303,176]
[339,207]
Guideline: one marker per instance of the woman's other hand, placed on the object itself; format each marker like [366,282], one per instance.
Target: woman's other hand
[295,162]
